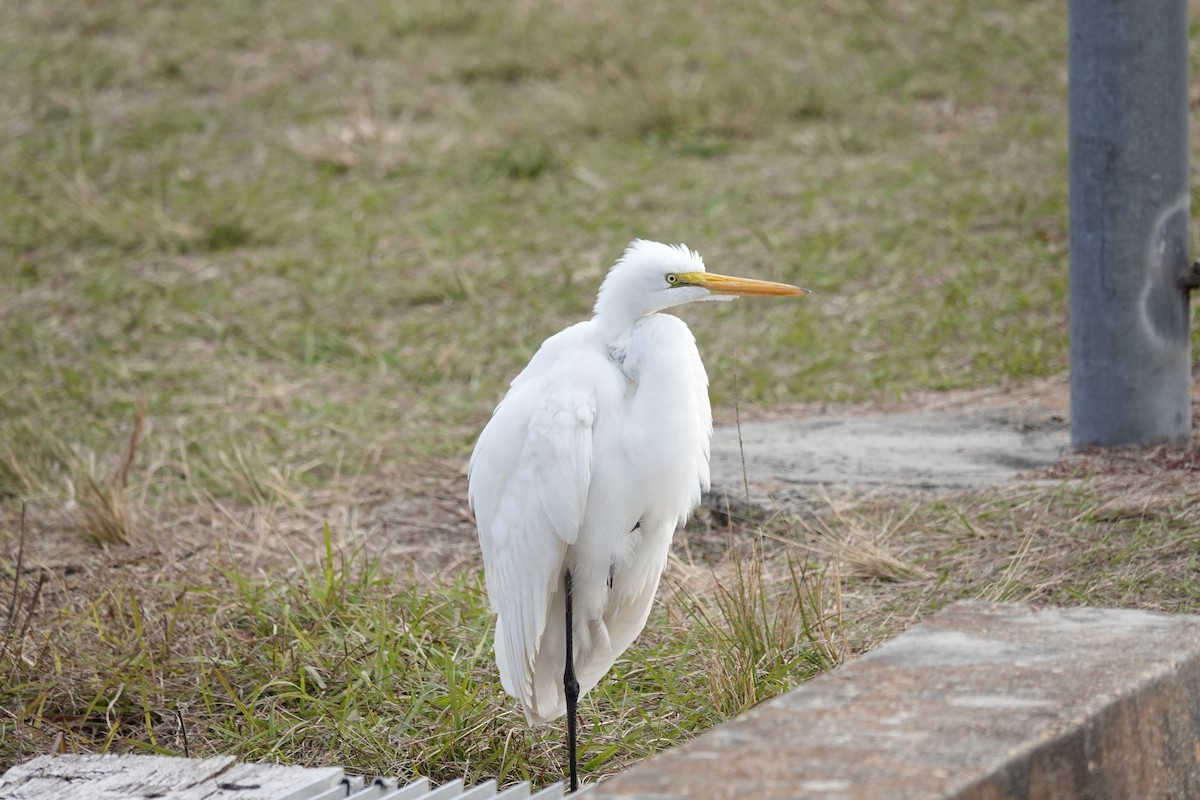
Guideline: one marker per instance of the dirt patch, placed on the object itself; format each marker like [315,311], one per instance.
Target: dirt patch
[1131,460]
[416,521]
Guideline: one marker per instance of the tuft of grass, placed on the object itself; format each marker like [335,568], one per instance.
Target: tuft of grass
[759,635]
[226,235]
[523,159]
[859,544]
[106,516]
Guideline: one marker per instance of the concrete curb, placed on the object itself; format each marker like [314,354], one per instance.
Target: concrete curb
[980,702]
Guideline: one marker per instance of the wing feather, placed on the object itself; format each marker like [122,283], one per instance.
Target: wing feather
[529,480]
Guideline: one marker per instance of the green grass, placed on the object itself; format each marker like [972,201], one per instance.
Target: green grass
[347,663]
[342,664]
[347,225]
[315,240]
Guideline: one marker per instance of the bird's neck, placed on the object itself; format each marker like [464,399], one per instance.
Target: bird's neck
[615,327]
[615,334]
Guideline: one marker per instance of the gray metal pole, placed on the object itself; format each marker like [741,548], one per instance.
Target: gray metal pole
[1130,342]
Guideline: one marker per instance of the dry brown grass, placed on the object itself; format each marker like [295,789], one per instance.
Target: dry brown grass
[106,515]
[1128,542]
[1160,460]
[862,546]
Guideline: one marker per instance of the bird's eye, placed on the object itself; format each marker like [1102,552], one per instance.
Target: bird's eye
[673,279]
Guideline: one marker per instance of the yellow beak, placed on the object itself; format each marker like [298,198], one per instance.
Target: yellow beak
[725,284]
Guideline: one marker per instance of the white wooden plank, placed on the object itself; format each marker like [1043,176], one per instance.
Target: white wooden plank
[111,777]
[345,788]
[377,788]
[338,792]
[552,792]
[129,777]
[381,787]
[263,782]
[519,791]
[483,791]
[106,777]
[444,792]
[331,780]
[390,789]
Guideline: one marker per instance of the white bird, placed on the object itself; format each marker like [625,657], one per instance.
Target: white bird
[597,453]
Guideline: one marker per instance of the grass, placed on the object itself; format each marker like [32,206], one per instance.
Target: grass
[347,226]
[343,662]
[345,665]
[314,240]
[1101,540]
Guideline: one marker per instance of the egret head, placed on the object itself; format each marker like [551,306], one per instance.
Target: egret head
[651,276]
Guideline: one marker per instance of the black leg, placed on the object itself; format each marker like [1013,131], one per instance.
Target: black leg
[571,688]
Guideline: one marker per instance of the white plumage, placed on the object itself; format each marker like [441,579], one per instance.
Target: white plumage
[597,453]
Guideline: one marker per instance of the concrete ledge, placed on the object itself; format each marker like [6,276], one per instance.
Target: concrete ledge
[980,702]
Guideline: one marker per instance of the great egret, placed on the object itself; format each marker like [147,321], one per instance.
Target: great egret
[597,453]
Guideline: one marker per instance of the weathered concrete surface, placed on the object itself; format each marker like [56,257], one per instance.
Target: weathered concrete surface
[927,450]
[980,702]
[141,777]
